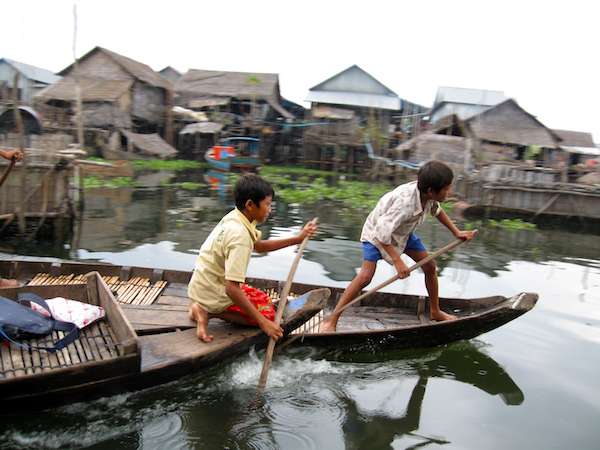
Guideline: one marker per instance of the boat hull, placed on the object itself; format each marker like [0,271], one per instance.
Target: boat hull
[166,337]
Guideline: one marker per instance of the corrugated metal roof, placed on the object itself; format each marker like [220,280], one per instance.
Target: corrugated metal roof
[581,150]
[92,89]
[33,72]
[468,96]
[354,79]
[354,99]
[355,87]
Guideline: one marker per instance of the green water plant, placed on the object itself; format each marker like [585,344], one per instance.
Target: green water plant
[171,164]
[92,182]
[512,224]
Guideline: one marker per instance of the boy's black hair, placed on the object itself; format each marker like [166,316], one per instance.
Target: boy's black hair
[251,187]
[435,175]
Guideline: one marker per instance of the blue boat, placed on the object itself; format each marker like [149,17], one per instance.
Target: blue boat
[235,154]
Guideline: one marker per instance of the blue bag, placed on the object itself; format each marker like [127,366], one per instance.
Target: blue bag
[19,322]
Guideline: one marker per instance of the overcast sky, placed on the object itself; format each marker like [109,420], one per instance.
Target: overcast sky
[543,54]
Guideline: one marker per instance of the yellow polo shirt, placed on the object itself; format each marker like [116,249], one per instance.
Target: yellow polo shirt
[224,255]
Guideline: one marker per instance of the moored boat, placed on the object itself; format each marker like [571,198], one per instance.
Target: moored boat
[154,304]
[235,154]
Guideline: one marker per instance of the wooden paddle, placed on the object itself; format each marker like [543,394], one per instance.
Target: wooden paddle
[424,261]
[264,374]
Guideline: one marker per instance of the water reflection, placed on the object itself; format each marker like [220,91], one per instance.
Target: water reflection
[464,362]
[374,406]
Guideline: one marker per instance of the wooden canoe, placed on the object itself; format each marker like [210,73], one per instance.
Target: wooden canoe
[154,303]
[383,320]
[401,321]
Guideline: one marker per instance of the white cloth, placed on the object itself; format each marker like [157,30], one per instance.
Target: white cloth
[81,314]
[395,216]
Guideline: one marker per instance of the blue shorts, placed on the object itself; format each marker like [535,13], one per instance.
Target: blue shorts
[372,253]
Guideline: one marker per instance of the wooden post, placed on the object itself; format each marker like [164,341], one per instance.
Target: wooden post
[169,118]
[79,103]
[20,210]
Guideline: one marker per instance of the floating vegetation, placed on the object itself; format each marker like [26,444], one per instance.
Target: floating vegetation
[512,224]
[506,224]
[294,170]
[309,189]
[188,185]
[172,164]
[93,182]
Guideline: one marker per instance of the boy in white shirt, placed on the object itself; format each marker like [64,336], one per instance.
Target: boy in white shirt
[389,231]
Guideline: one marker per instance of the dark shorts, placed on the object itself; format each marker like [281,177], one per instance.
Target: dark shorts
[372,253]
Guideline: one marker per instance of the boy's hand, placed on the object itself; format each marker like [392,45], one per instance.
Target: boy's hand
[465,235]
[271,329]
[402,269]
[13,154]
[309,230]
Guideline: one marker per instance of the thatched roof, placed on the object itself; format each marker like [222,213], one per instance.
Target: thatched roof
[242,85]
[199,84]
[92,90]
[208,102]
[170,74]
[135,68]
[508,123]
[575,138]
[150,144]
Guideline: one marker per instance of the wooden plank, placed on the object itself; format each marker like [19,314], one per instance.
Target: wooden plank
[27,361]
[6,361]
[116,318]
[92,289]
[77,351]
[89,333]
[85,346]
[172,300]
[36,360]
[150,317]
[108,341]
[59,354]
[17,360]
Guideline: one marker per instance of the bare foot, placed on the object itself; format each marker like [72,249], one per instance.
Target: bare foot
[441,316]
[328,326]
[200,315]
[8,283]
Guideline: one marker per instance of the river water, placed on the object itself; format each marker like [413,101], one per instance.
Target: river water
[531,384]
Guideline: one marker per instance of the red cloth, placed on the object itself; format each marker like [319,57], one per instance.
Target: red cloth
[260,300]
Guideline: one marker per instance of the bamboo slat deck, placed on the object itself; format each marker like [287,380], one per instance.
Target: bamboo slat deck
[96,343]
[135,291]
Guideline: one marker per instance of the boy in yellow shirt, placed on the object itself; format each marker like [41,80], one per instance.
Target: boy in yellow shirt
[223,259]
